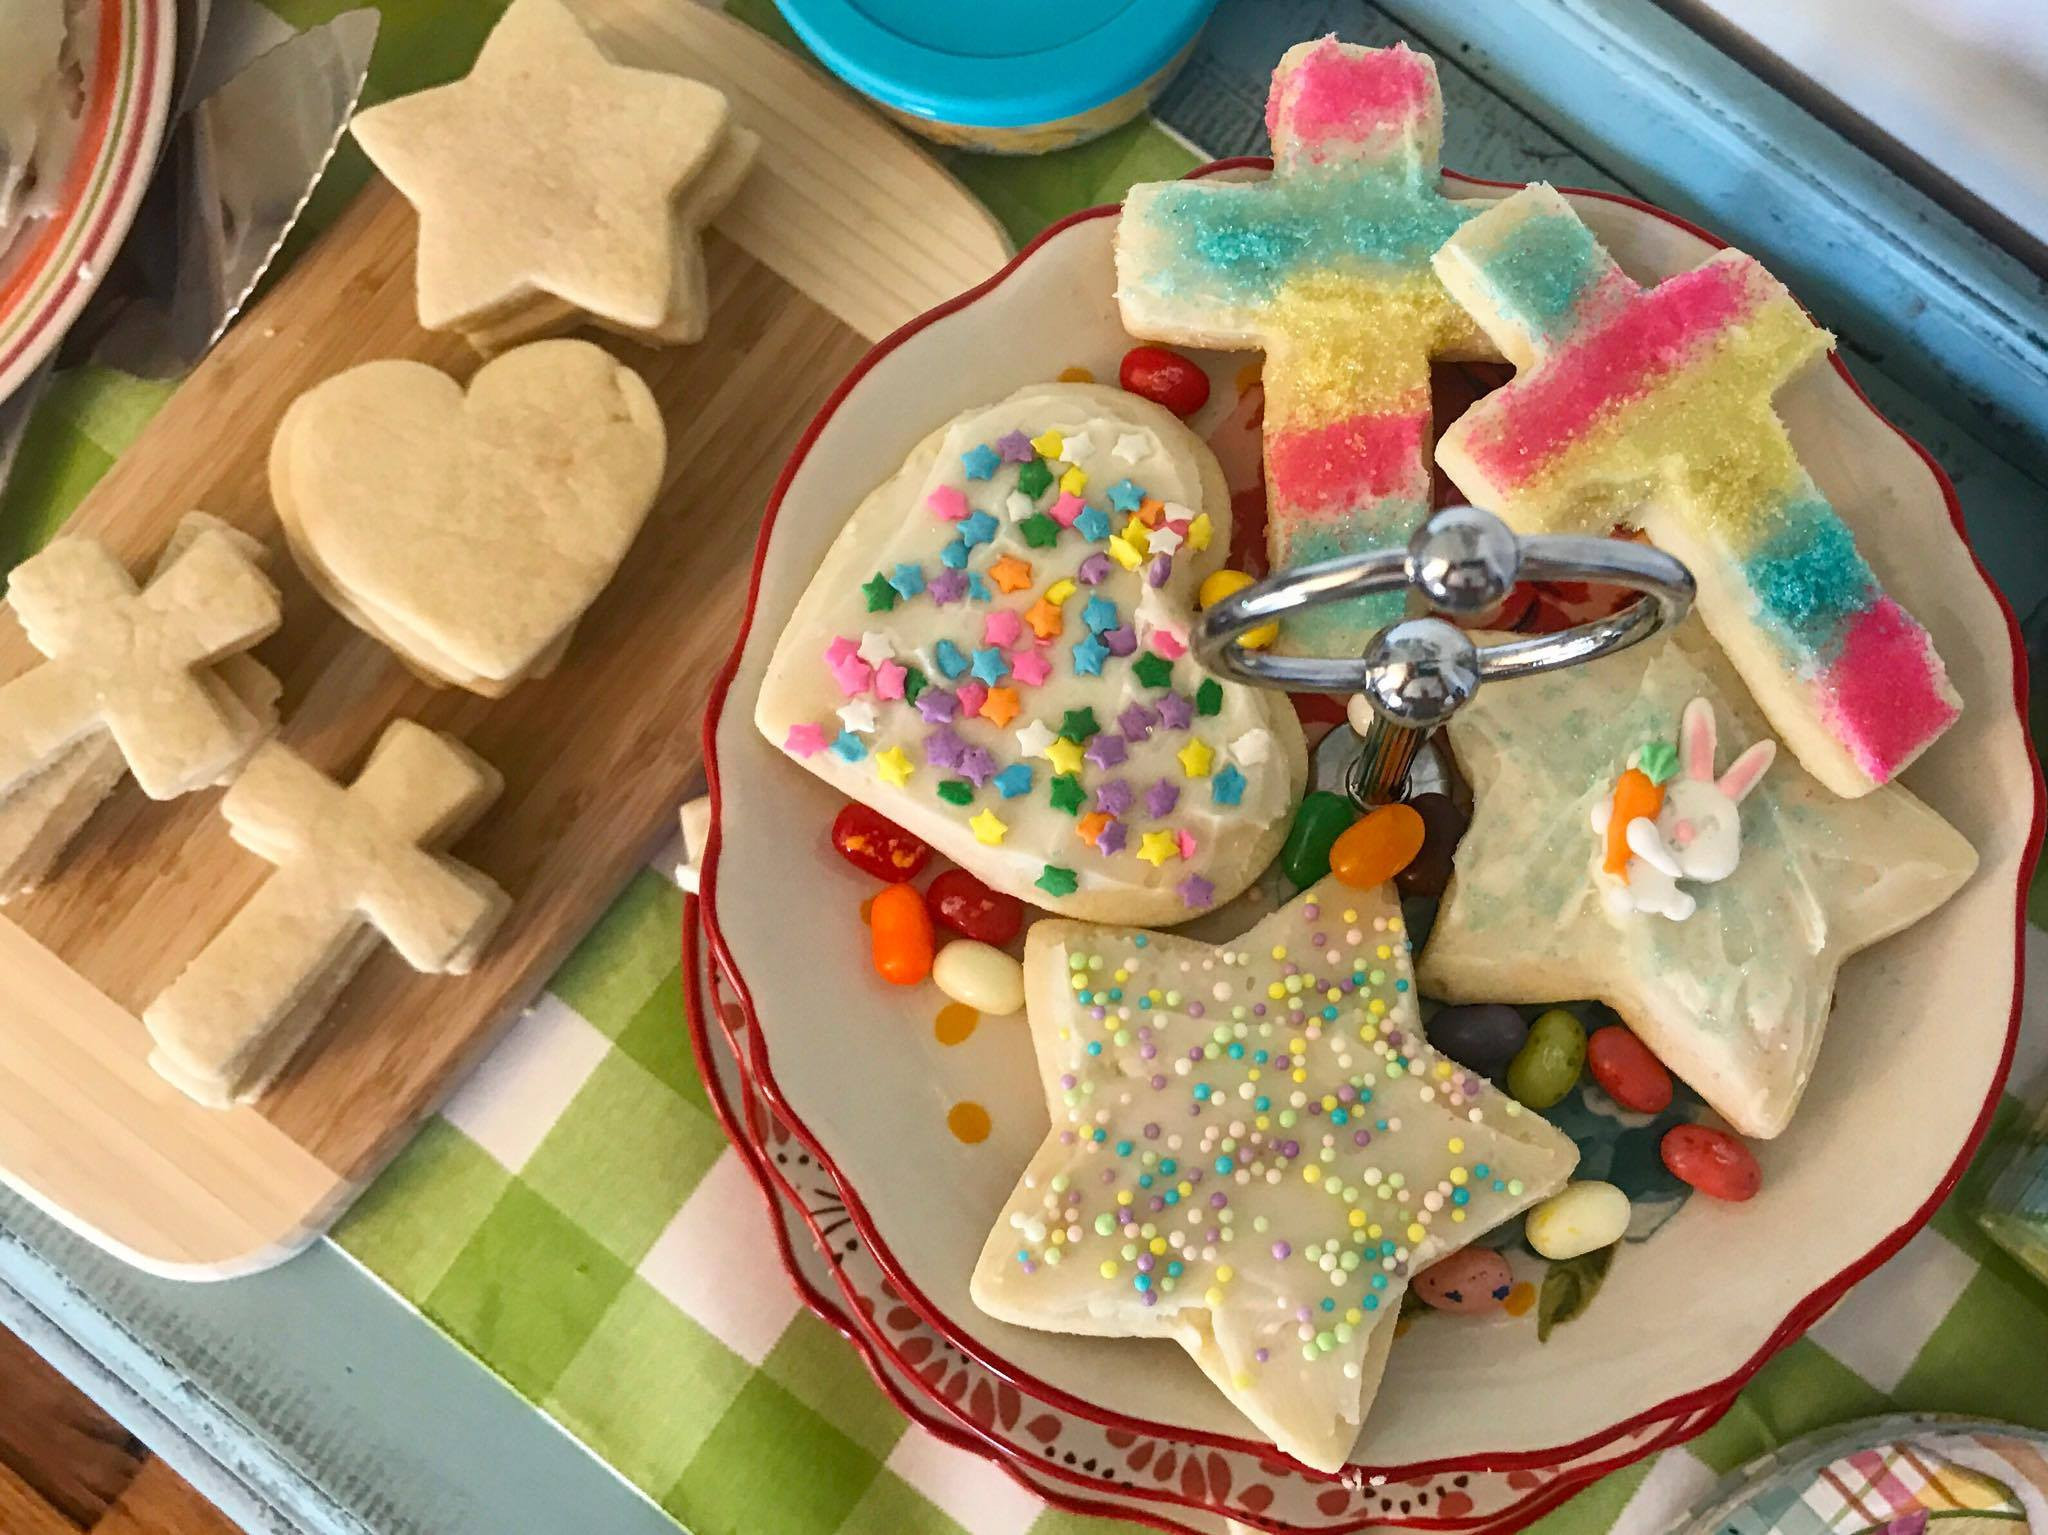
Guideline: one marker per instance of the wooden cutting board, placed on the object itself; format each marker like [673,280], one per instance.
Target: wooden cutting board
[843,232]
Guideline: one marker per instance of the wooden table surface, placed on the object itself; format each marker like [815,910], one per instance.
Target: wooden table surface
[307,1399]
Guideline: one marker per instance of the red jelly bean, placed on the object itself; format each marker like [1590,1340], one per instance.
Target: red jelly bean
[1165,378]
[876,845]
[1623,1065]
[1712,1161]
[963,903]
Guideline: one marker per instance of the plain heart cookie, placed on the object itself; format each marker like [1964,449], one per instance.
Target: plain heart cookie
[994,654]
[469,530]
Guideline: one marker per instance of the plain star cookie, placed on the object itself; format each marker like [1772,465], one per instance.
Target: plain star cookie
[469,530]
[1717,930]
[994,654]
[1253,1151]
[1653,408]
[549,173]
[1326,267]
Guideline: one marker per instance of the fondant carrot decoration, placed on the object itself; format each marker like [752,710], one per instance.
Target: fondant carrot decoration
[1635,796]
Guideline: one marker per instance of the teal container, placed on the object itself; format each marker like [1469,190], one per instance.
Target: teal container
[1004,76]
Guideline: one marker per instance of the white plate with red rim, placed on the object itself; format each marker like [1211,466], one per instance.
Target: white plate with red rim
[851,1066]
[1070,1461]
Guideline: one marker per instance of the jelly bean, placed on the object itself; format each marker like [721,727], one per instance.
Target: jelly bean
[1219,584]
[1376,848]
[876,845]
[1624,1067]
[984,978]
[1443,823]
[1482,1036]
[963,903]
[1548,1065]
[1578,1219]
[1317,825]
[1165,378]
[901,931]
[1474,1280]
[1712,1161]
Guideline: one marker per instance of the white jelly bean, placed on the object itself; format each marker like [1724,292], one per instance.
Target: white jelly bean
[983,978]
[1582,1218]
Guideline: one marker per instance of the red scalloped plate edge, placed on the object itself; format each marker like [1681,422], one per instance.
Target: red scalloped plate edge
[1721,1393]
[962,1434]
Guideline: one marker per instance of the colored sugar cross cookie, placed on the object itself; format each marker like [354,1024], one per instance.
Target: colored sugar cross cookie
[1037,651]
[1253,1150]
[548,173]
[136,664]
[353,864]
[1326,266]
[1653,407]
[1734,996]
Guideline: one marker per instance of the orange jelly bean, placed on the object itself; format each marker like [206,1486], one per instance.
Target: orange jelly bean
[901,931]
[1372,851]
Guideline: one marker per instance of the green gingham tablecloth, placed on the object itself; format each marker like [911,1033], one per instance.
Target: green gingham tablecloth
[575,1219]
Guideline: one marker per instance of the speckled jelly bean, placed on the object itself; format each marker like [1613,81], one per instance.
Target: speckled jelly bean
[1317,825]
[957,900]
[1220,584]
[1712,1161]
[876,845]
[1377,847]
[1165,378]
[900,930]
[1443,823]
[1625,1069]
[1469,1282]
[1484,1036]
[984,978]
[1548,1064]
[1579,1219]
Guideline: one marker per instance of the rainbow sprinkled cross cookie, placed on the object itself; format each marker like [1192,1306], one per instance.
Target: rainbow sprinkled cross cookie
[1326,266]
[1654,407]
[1253,1150]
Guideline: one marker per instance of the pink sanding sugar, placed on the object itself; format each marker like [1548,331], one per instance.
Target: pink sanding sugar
[1338,94]
[1887,694]
[1366,457]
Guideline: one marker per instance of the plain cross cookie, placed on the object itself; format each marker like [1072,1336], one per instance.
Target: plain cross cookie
[1654,408]
[135,663]
[549,172]
[1326,266]
[353,864]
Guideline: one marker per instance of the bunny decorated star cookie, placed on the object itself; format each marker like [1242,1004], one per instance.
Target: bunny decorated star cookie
[1637,838]
[994,654]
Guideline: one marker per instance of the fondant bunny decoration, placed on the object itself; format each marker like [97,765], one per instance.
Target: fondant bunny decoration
[1691,831]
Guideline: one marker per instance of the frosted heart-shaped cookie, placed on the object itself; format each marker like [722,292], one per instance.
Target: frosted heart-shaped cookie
[469,530]
[993,653]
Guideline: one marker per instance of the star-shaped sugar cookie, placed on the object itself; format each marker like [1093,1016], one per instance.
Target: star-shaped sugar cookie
[1252,1152]
[549,172]
[1733,997]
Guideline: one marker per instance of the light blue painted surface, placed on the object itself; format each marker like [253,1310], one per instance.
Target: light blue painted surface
[325,1396]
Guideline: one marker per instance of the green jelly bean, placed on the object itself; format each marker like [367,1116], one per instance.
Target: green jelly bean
[1548,1065]
[1321,820]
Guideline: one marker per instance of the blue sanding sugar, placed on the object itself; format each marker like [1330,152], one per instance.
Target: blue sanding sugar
[1809,577]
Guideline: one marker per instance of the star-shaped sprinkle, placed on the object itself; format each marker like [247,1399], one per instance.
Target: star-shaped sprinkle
[1175,712]
[908,581]
[1113,796]
[977,587]
[1033,479]
[1125,496]
[1029,667]
[1099,614]
[956,791]
[936,706]
[954,557]
[942,748]
[1136,722]
[1195,892]
[988,827]
[1155,847]
[1130,447]
[1107,751]
[894,766]
[1125,553]
[1048,444]
[1057,881]
[1078,724]
[876,647]
[1015,448]
[1816,877]
[880,595]
[1017,506]
[1003,626]
[1034,738]
[1112,840]
[1154,671]
[977,529]
[1060,591]
[1078,445]
[1165,539]
[1064,755]
[949,658]
[890,677]
[1066,509]
[1094,570]
[1013,780]
[849,747]
[1089,656]
[1161,798]
[503,164]
[1066,794]
[1039,531]
[979,462]
[977,765]
[805,740]
[947,584]
[947,502]
[858,715]
[914,683]
[1195,759]
[1010,574]
[1044,619]
[1000,707]
[1266,1197]
[1227,787]
[1074,481]
[991,663]
[1209,698]
[1200,531]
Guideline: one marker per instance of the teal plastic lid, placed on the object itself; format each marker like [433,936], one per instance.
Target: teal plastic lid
[996,63]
